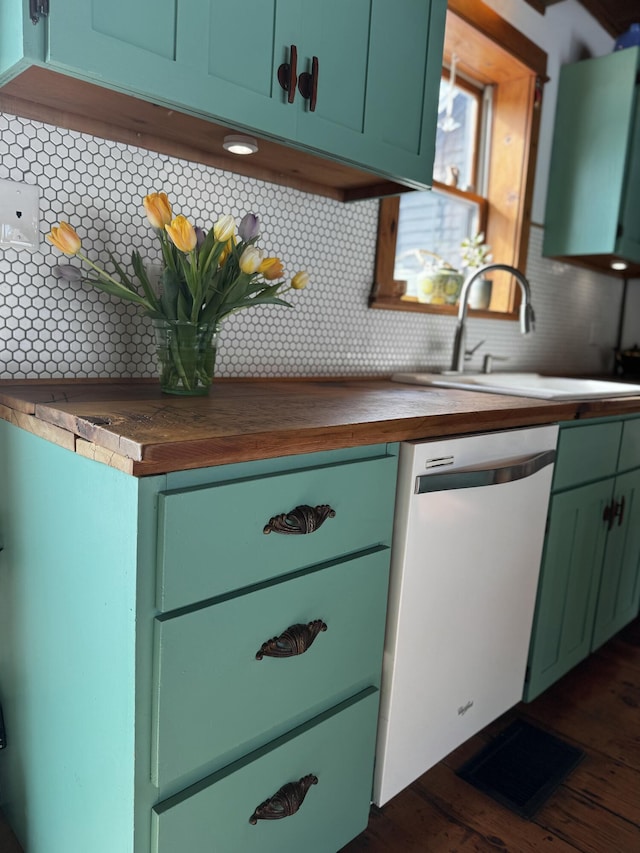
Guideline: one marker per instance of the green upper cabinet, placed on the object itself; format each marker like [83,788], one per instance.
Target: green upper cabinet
[378,67]
[594,177]
[364,91]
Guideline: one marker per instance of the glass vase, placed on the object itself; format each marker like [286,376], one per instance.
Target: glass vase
[186,354]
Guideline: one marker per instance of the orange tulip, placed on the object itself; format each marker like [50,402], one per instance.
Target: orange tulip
[158,209]
[182,234]
[64,238]
[271,268]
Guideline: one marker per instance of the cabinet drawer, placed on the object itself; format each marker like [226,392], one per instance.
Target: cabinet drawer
[337,748]
[212,540]
[586,453]
[215,700]
[630,445]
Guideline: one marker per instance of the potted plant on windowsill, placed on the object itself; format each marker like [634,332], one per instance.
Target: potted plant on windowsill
[436,281]
[475,253]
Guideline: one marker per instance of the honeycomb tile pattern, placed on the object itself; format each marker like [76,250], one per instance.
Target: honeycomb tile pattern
[51,328]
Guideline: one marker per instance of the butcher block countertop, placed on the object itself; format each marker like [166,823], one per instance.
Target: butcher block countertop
[131,426]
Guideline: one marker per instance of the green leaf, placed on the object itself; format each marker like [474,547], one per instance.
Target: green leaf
[169,297]
[143,278]
[118,290]
[124,278]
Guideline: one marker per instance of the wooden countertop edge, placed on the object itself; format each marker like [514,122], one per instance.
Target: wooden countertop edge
[164,458]
[143,458]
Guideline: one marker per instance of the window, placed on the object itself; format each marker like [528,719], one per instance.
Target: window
[484,167]
[431,225]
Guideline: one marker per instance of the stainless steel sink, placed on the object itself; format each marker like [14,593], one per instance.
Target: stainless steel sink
[524,385]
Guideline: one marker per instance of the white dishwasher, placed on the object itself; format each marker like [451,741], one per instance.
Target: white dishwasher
[468,536]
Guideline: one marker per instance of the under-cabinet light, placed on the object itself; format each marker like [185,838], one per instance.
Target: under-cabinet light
[238,144]
[618,265]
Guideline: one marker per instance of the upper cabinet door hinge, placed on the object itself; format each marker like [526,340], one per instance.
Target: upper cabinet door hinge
[38,8]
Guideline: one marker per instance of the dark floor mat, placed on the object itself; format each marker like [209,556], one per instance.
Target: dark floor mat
[521,767]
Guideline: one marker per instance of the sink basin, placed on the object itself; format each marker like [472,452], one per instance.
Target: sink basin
[524,385]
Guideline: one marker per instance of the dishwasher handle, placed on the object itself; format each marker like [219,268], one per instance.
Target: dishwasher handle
[484,476]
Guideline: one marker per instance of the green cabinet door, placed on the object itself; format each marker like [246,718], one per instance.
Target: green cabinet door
[378,82]
[403,84]
[568,588]
[629,232]
[234,55]
[619,594]
[596,154]
[120,44]
[337,35]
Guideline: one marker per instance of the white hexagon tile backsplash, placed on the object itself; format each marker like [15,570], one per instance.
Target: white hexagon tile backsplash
[51,328]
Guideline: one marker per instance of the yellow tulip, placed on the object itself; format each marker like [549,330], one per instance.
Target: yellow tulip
[225,228]
[250,260]
[158,209]
[300,280]
[271,268]
[182,234]
[64,238]
[224,254]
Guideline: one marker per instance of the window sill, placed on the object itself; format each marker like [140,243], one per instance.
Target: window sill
[392,303]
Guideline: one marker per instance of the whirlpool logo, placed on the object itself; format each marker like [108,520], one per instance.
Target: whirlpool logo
[462,710]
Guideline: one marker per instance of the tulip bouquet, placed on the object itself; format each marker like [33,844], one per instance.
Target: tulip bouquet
[206,277]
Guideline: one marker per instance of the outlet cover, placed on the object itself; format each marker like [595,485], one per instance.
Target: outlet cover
[19,215]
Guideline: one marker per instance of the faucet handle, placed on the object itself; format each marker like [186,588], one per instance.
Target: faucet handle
[487,361]
[468,353]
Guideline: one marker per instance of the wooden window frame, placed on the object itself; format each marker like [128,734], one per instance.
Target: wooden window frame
[492,52]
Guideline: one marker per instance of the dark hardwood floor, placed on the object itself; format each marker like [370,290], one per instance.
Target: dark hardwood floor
[596,810]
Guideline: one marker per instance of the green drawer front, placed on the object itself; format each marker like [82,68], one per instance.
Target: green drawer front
[211,539]
[214,700]
[337,748]
[586,453]
[630,446]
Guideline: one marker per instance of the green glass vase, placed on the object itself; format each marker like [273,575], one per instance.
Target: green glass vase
[186,356]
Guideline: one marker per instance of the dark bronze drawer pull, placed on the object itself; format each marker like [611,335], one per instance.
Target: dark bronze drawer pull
[294,641]
[287,74]
[285,802]
[308,84]
[302,519]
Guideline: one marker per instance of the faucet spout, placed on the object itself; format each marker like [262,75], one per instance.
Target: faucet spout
[527,315]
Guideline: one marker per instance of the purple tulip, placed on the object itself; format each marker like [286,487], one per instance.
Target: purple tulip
[249,227]
[67,272]
[200,235]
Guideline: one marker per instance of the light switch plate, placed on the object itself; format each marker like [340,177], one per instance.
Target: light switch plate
[19,215]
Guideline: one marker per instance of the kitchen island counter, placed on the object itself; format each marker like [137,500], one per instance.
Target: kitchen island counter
[130,425]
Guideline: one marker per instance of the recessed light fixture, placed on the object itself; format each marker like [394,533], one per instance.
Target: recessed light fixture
[236,143]
[618,265]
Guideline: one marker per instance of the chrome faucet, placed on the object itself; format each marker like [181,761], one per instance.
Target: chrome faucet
[527,316]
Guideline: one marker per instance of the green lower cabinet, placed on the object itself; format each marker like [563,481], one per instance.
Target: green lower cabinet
[123,718]
[619,595]
[221,703]
[590,576]
[568,589]
[336,749]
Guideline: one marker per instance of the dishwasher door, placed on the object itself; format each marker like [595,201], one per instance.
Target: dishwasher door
[468,536]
